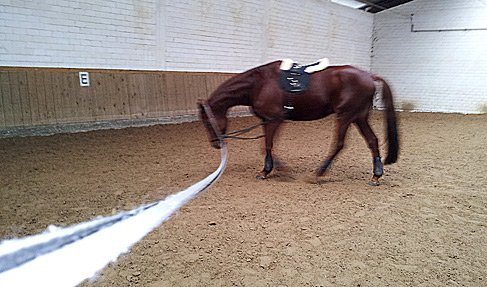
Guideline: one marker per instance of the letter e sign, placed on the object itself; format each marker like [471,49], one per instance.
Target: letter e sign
[84,79]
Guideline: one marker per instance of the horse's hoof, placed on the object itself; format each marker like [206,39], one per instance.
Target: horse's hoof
[313,179]
[374,181]
[261,176]
[320,173]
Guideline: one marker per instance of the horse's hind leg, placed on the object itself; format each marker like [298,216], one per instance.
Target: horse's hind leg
[372,142]
[341,130]
[270,131]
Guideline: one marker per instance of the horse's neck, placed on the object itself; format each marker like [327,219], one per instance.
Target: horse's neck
[234,92]
[224,104]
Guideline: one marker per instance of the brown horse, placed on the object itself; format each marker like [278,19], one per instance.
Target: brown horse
[344,90]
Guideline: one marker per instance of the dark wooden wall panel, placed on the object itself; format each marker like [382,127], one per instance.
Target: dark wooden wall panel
[46,96]
[15,98]
[6,116]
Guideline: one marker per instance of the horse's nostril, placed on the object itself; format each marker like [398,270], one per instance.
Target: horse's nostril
[216,144]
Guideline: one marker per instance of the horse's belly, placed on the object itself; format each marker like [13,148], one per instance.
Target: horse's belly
[309,113]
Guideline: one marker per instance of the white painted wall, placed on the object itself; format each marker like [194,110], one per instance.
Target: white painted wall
[305,30]
[429,70]
[191,35]
[78,33]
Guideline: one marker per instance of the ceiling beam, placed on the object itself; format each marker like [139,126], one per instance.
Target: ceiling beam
[372,4]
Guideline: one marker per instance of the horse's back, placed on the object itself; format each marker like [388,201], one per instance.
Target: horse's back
[353,77]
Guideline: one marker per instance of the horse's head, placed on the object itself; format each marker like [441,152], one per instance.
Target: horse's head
[215,124]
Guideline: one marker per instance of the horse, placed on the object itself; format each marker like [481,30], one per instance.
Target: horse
[345,90]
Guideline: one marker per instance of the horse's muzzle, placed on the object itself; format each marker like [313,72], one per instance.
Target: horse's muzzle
[216,143]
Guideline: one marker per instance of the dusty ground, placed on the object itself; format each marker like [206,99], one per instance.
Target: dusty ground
[424,226]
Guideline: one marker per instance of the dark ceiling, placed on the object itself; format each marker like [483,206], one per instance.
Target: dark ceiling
[374,6]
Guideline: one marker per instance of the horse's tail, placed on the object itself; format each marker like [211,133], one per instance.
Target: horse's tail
[392,133]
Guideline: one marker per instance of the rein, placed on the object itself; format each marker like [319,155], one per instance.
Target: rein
[236,134]
[231,135]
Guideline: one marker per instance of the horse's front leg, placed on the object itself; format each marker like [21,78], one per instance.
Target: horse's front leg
[268,165]
[270,130]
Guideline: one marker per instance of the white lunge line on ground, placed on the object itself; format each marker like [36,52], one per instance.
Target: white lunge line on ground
[68,256]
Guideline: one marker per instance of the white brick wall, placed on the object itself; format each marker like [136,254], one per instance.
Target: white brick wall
[430,70]
[191,35]
[214,35]
[319,29]
[84,33]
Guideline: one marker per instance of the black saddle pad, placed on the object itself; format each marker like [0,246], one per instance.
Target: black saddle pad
[295,80]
